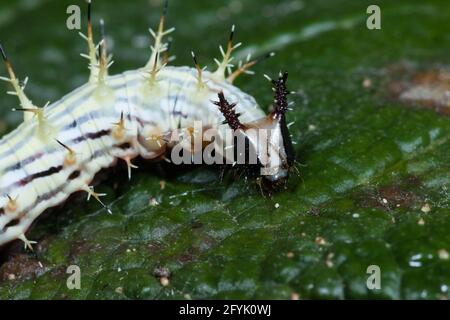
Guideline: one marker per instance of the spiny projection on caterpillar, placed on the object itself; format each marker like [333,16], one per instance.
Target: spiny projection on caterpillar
[59,148]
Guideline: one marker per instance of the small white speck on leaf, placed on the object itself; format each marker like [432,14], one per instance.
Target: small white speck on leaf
[425,208]
[277,205]
[443,254]
[164,281]
[153,202]
[119,290]
[367,83]
[163,274]
[421,222]
[329,260]
[320,241]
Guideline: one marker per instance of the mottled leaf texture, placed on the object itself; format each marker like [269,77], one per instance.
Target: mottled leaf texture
[371,133]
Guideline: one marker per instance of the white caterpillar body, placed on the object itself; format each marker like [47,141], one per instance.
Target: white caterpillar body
[58,149]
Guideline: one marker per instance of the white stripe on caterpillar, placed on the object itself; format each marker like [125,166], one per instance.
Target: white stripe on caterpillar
[59,148]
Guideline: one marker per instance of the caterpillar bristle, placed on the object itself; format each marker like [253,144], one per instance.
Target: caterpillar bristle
[119,128]
[159,46]
[36,112]
[225,65]
[18,89]
[244,68]
[70,158]
[12,203]
[3,53]
[154,71]
[63,145]
[166,57]
[103,54]
[268,78]
[230,38]
[89,12]
[194,58]
[200,83]
[165,8]
[92,48]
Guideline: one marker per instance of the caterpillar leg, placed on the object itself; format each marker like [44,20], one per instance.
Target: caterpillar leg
[17,232]
[130,166]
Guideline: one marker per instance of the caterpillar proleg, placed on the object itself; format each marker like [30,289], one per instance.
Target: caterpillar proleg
[59,147]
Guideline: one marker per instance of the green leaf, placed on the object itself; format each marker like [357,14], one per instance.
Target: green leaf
[370,165]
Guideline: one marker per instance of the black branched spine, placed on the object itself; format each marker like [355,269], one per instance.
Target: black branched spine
[229,112]
[280,103]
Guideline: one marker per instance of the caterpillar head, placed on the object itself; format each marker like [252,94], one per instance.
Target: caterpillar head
[267,140]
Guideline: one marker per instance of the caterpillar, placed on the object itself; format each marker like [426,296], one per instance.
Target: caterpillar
[59,148]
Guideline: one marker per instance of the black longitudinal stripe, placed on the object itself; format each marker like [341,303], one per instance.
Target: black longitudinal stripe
[124,146]
[74,175]
[53,170]
[92,136]
[46,196]
[12,223]
[41,174]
